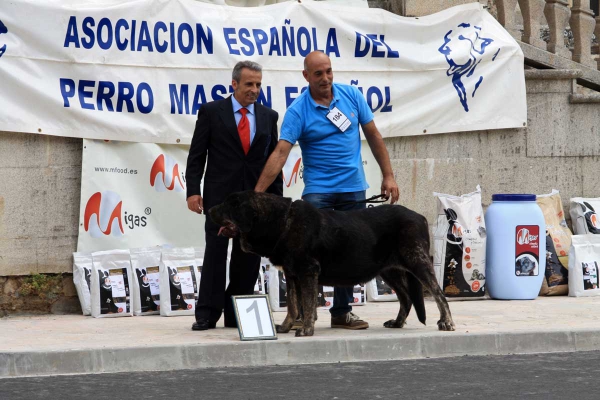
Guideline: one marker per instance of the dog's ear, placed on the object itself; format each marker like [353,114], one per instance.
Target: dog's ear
[247,215]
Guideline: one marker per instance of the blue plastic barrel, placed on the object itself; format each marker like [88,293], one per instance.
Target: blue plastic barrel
[516,247]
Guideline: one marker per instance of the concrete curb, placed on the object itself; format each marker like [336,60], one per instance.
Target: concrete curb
[288,352]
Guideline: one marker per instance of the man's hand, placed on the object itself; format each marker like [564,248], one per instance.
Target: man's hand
[195,204]
[389,188]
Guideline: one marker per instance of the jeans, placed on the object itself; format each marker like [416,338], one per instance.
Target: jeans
[342,297]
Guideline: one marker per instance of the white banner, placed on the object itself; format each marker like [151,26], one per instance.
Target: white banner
[138,70]
[133,194]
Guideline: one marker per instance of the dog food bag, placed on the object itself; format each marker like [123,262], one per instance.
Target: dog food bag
[584,261]
[179,282]
[259,286]
[82,276]
[459,239]
[378,290]
[583,215]
[558,242]
[359,295]
[146,288]
[325,297]
[277,289]
[111,279]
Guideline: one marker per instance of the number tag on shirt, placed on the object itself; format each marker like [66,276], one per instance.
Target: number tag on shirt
[339,119]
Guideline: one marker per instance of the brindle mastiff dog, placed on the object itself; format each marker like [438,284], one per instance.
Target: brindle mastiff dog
[335,248]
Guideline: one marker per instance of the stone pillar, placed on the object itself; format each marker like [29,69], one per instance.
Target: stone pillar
[582,24]
[506,16]
[533,11]
[557,14]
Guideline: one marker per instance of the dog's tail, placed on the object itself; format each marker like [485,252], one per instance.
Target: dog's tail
[415,292]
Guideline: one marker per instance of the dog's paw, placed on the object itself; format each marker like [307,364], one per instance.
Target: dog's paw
[446,325]
[281,329]
[305,332]
[394,323]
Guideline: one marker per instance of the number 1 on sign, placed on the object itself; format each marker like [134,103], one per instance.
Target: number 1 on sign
[254,307]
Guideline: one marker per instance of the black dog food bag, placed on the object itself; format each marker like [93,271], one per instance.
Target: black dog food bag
[111,277]
[459,239]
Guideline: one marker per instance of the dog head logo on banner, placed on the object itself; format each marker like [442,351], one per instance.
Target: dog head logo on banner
[164,175]
[464,50]
[102,216]
[3,29]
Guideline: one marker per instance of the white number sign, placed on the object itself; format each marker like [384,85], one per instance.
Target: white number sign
[255,321]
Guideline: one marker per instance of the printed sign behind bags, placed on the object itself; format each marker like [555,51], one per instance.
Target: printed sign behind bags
[111,277]
[558,242]
[179,282]
[82,275]
[277,289]
[378,290]
[583,215]
[459,239]
[146,288]
[584,260]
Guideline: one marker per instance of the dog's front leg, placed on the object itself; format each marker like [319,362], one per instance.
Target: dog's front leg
[309,290]
[292,306]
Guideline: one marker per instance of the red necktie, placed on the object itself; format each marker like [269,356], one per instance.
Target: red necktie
[244,130]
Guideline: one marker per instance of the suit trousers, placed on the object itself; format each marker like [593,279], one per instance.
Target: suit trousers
[243,273]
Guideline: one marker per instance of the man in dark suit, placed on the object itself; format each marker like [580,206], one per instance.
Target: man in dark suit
[233,138]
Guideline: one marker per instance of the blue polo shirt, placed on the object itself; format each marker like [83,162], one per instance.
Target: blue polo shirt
[332,160]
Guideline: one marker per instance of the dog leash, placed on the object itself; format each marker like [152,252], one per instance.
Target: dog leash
[372,199]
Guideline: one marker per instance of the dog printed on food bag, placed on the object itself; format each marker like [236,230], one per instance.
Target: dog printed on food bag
[335,249]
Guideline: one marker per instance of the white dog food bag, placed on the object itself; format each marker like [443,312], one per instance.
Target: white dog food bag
[583,215]
[359,295]
[584,264]
[259,286]
[111,280]
[82,278]
[146,287]
[459,239]
[325,297]
[179,282]
[378,290]
[277,289]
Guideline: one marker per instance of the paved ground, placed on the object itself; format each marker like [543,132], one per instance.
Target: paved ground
[45,345]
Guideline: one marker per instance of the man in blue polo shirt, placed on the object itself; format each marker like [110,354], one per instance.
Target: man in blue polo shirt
[324,120]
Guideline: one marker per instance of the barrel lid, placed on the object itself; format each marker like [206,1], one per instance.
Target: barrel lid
[513,197]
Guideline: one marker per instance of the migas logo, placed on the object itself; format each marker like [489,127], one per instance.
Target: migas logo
[164,175]
[102,216]
[3,29]
[292,168]
[523,237]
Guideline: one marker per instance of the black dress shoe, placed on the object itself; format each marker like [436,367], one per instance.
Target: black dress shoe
[203,325]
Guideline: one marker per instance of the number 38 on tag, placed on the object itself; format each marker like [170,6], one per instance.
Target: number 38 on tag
[338,119]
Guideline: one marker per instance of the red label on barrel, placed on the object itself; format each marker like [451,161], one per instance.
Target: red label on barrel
[527,245]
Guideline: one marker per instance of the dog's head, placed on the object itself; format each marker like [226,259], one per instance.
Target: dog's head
[236,214]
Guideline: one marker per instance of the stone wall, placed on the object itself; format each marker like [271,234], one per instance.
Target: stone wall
[39,202]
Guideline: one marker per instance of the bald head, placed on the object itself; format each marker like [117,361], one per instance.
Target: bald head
[315,58]
[319,75]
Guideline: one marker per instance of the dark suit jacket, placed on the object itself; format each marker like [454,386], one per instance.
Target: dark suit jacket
[228,169]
